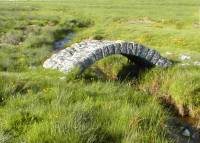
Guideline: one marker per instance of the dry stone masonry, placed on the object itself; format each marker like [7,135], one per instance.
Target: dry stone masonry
[86,53]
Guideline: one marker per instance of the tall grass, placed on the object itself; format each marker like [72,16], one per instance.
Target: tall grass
[38,105]
[56,110]
[179,85]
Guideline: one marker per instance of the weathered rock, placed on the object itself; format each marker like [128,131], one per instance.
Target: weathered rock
[185,57]
[186,132]
[88,52]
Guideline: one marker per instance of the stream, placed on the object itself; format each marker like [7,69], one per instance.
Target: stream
[183,128]
[60,44]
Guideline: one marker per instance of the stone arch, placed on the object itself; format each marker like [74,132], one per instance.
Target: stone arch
[86,53]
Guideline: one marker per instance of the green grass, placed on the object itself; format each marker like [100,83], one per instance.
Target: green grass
[180,85]
[38,105]
[56,110]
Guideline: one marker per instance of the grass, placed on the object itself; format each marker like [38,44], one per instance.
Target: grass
[38,105]
[180,85]
[55,110]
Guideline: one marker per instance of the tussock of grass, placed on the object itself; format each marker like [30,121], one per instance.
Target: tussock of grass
[31,43]
[179,84]
[55,110]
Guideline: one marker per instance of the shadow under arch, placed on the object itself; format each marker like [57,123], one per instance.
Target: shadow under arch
[114,67]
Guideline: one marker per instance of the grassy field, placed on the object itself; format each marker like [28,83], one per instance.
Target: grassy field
[102,105]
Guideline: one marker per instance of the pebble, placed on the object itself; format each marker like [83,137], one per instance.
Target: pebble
[186,132]
[185,57]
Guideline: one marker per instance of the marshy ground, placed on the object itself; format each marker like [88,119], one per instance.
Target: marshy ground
[112,101]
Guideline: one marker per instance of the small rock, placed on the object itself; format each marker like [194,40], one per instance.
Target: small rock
[197,63]
[185,57]
[186,133]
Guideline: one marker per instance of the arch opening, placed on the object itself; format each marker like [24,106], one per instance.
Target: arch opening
[114,67]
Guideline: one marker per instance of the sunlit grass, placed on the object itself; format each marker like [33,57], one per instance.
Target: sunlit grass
[38,105]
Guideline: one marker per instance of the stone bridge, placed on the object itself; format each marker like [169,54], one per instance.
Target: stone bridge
[86,53]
